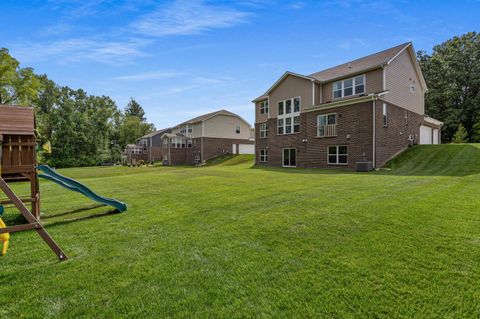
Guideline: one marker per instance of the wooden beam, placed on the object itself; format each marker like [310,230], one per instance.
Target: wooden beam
[25,200]
[17,228]
[32,220]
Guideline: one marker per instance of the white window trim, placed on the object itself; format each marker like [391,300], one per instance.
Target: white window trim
[265,106]
[291,115]
[326,115]
[337,155]
[264,131]
[264,156]
[283,156]
[353,87]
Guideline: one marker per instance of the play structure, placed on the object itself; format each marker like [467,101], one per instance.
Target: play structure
[18,164]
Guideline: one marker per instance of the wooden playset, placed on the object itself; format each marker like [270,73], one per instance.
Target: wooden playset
[17,164]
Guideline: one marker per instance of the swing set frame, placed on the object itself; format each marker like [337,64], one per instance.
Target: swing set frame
[18,164]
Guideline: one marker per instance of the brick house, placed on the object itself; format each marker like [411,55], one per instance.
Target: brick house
[143,149]
[362,112]
[205,137]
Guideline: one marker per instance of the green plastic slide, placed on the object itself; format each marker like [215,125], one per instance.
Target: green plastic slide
[73,185]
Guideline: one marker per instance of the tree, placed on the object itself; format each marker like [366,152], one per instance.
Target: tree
[452,73]
[475,136]
[133,128]
[135,109]
[17,85]
[460,135]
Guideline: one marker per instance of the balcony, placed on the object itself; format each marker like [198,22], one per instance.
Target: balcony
[327,130]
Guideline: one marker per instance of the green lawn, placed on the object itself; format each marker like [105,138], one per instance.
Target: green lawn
[229,241]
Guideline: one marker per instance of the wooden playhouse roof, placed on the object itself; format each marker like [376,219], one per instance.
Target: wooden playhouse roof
[17,120]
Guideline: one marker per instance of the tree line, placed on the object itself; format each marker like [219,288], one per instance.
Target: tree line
[452,73]
[86,129]
[82,129]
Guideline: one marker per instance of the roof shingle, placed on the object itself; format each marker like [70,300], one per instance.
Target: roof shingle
[359,65]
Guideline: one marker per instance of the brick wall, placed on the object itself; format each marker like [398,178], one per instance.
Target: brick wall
[354,130]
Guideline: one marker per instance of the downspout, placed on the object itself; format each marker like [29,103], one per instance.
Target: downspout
[374,145]
[201,139]
[150,152]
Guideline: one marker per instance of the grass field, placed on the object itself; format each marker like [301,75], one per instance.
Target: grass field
[229,240]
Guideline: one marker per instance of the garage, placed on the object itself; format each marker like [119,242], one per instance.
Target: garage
[435,136]
[243,148]
[425,135]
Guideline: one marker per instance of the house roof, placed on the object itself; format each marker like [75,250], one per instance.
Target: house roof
[204,117]
[17,120]
[155,133]
[368,62]
[170,135]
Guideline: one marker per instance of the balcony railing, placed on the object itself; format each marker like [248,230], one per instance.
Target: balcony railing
[327,130]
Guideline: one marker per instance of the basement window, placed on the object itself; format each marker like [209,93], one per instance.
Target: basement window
[263,155]
[338,155]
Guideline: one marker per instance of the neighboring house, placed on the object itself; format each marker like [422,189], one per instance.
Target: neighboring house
[366,110]
[143,150]
[133,155]
[204,137]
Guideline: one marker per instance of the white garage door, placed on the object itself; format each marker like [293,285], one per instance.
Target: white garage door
[246,149]
[435,136]
[425,135]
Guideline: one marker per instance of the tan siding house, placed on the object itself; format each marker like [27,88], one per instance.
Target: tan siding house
[357,115]
[205,137]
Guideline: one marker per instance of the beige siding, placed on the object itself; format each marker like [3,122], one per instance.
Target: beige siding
[259,117]
[373,84]
[291,87]
[224,126]
[400,74]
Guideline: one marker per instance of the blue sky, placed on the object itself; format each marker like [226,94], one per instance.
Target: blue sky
[180,59]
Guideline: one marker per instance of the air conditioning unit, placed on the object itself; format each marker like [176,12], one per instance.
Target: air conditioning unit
[365,166]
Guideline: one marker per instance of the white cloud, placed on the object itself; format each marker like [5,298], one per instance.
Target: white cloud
[98,50]
[148,76]
[187,17]
[351,44]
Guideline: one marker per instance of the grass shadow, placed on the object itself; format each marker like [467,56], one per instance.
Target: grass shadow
[72,211]
[83,218]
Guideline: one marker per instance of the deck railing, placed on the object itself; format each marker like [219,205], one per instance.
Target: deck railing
[327,130]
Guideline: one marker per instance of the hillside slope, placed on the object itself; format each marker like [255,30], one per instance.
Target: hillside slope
[447,160]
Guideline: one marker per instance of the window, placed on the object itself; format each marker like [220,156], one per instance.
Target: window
[406,117]
[289,157]
[385,114]
[337,90]
[264,156]
[237,129]
[349,87]
[327,125]
[186,128]
[197,158]
[337,155]
[189,143]
[165,142]
[263,130]
[280,108]
[288,116]
[179,142]
[264,107]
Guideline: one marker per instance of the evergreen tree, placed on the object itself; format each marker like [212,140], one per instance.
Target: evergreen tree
[133,108]
[460,135]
